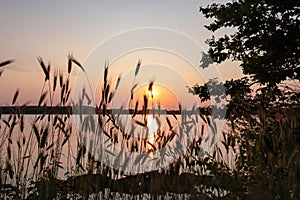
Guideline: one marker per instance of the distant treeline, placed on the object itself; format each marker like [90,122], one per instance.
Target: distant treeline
[54,110]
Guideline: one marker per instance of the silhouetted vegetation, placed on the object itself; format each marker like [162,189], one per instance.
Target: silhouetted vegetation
[45,157]
[257,157]
[263,107]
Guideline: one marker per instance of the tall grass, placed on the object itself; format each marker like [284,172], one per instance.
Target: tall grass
[32,150]
[44,158]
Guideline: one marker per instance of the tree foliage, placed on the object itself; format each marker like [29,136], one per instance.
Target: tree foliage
[266,40]
[263,106]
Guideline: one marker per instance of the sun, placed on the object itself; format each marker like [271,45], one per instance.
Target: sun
[152,93]
[159,94]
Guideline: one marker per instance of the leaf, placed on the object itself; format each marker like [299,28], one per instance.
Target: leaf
[202,130]
[78,64]
[133,88]
[44,138]
[137,67]
[106,92]
[174,115]
[145,106]
[154,148]
[70,58]
[111,96]
[45,70]
[105,75]
[22,123]
[135,109]
[6,123]
[118,82]
[60,79]
[15,96]
[42,98]
[8,152]
[203,118]
[55,80]
[150,86]
[169,123]
[7,62]
[140,123]
[36,132]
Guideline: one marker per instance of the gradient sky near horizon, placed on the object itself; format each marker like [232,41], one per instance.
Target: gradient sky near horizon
[52,29]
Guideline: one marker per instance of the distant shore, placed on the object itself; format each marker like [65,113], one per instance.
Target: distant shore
[54,110]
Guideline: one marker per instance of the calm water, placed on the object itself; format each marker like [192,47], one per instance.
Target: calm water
[155,133]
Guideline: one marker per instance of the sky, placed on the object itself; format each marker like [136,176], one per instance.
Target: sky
[53,29]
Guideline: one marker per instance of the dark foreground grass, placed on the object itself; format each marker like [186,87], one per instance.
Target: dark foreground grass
[44,158]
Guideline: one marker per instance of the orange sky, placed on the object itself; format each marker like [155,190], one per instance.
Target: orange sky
[53,29]
[161,95]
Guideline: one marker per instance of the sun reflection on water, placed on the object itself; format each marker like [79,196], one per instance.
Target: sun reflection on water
[152,129]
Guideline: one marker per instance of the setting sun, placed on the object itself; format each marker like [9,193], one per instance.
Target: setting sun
[158,95]
[152,94]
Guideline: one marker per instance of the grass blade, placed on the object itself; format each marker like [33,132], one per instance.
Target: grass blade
[7,62]
[138,67]
[15,96]
[45,70]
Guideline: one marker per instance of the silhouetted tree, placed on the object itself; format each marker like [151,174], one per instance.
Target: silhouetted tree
[266,38]
[263,109]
